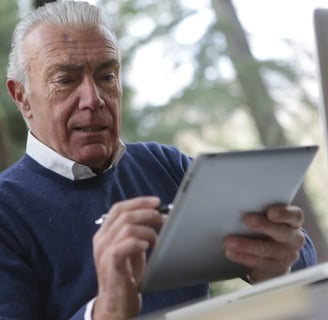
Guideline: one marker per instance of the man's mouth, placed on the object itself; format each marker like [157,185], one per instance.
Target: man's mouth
[91,129]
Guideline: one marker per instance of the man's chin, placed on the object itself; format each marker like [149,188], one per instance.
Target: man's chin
[95,158]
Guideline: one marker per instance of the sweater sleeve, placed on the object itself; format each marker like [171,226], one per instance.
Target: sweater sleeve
[19,294]
[308,255]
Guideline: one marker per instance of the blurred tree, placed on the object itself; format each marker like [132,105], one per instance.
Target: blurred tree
[256,95]
[40,3]
[8,12]
[210,98]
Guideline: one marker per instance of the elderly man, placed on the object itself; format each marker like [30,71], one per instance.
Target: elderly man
[55,262]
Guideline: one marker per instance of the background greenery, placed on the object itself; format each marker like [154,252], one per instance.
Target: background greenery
[260,103]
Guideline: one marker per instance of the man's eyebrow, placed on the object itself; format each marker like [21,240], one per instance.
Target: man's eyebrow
[63,67]
[108,64]
[77,68]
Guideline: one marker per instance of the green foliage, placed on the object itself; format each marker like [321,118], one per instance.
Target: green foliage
[210,98]
[8,12]
[9,16]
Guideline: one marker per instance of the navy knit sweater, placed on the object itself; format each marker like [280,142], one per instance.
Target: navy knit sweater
[47,225]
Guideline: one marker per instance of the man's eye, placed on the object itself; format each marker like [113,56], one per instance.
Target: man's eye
[64,80]
[108,77]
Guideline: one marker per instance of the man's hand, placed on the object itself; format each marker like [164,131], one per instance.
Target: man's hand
[120,255]
[274,254]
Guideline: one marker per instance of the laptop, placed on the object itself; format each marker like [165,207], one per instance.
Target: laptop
[216,191]
[321,37]
[292,296]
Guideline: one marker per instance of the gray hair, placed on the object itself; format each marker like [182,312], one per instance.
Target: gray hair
[62,13]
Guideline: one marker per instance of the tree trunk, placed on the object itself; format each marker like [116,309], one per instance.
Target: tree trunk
[40,3]
[261,105]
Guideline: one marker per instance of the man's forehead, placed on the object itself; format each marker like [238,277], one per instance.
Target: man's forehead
[47,35]
[71,44]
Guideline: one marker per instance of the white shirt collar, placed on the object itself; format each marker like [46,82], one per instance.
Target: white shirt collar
[55,162]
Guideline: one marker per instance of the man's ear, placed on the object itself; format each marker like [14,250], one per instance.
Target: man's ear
[18,94]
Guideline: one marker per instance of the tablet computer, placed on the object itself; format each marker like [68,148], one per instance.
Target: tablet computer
[217,189]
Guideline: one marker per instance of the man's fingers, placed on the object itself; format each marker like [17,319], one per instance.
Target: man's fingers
[280,232]
[138,232]
[148,202]
[291,215]
[264,249]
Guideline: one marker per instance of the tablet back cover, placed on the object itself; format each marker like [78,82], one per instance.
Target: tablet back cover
[216,191]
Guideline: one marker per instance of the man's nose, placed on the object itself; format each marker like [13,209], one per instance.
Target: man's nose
[90,97]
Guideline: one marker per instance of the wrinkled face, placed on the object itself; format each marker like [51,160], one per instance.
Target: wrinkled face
[73,98]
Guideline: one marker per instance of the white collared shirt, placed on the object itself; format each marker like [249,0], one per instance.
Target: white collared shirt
[55,162]
[70,169]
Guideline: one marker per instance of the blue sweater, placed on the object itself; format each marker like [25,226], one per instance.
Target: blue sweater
[47,225]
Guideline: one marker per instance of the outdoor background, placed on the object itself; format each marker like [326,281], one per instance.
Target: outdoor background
[209,75]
